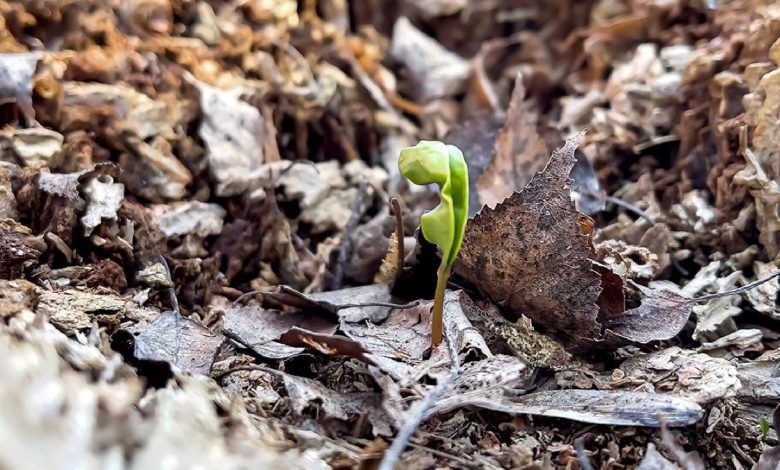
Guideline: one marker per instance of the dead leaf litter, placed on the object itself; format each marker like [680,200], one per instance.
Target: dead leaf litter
[200,262]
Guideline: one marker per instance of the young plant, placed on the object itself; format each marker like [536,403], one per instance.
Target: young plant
[434,162]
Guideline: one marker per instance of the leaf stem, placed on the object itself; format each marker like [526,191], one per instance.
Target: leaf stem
[437,319]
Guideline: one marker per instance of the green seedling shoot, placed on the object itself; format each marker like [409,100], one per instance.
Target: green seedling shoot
[431,162]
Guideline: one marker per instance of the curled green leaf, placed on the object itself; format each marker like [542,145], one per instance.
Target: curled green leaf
[432,162]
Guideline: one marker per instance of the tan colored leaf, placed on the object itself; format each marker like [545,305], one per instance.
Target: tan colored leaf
[529,256]
[519,153]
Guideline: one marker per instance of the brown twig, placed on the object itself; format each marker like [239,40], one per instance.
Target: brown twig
[399,235]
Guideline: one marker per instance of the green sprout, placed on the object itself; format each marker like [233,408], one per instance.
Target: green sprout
[431,162]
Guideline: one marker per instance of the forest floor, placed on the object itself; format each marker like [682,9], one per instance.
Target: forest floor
[209,258]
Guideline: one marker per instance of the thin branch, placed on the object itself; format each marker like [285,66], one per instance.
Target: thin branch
[249,367]
[399,235]
[379,304]
[630,207]
[171,290]
[739,290]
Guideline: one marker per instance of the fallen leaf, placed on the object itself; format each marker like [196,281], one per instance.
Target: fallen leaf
[607,407]
[698,377]
[480,382]
[233,133]
[152,171]
[351,305]
[529,256]
[519,153]
[184,344]
[259,329]
[765,298]
[16,296]
[140,114]
[16,73]
[325,343]
[716,318]
[191,218]
[34,147]
[75,309]
[303,392]
[436,71]
[661,315]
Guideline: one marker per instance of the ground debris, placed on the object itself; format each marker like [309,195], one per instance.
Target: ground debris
[196,199]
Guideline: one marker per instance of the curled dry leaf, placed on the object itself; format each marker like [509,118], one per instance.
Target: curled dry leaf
[185,344]
[529,256]
[765,298]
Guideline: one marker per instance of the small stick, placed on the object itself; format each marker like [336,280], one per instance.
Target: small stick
[171,290]
[630,207]
[399,235]
[739,290]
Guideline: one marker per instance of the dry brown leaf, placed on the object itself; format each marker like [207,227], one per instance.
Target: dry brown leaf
[529,256]
[259,329]
[303,392]
[518,154]
[19,249]
[352,304]
[181,342]
[661,315]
